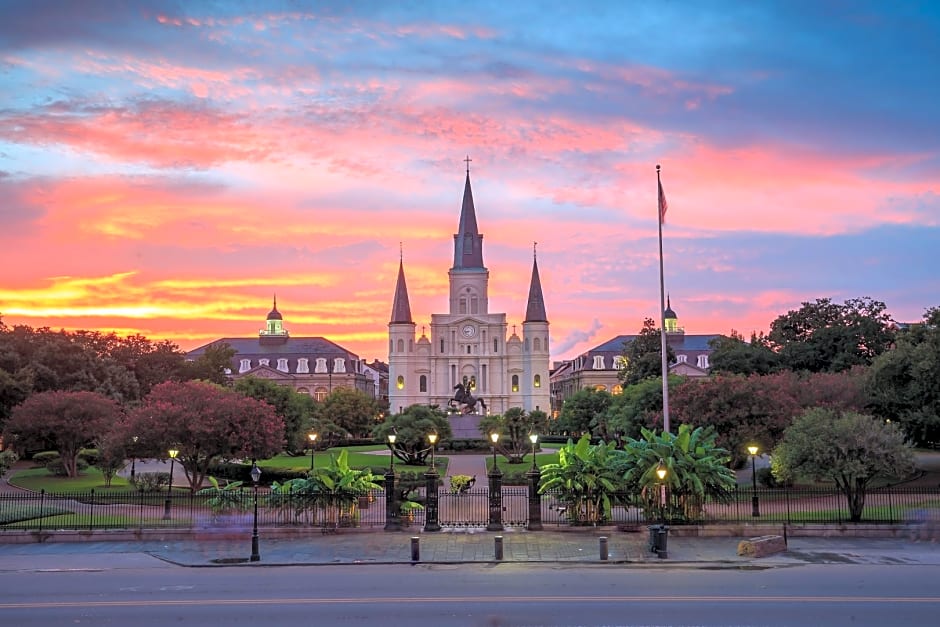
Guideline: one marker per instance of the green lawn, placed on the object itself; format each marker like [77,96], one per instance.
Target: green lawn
[504,466]
[357,456]
[37,479]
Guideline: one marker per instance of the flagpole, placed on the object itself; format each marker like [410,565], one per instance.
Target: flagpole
[660,202]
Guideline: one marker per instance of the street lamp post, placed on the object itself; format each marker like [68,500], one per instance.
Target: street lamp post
[313,445]
[392,511]
[535,501]
[755,502]
[169,489]
[255,476]
[496,491]
[659,544]
[431,522]
[134,459]
[432,438]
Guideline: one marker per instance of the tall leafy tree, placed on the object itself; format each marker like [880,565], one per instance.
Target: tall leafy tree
[411,428]
[205,423]
[65,421]
[354,411]
[643,355]
[904,383]
[828,337]
[638,406]
[514,428]
[584,412]
[294,408]
[733,355]
[212,365]
[849,448]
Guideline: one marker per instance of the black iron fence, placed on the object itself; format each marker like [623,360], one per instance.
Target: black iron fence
[111,509]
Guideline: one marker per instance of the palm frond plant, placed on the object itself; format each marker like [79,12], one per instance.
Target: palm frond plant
[696,468]
[585,479]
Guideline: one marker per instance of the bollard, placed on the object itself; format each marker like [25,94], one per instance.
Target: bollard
[603,547]
[415,549]
[498,547]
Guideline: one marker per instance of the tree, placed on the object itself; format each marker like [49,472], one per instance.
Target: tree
[212,365]
[584,412]
[411,428]
[294,408]
[732,355]
[849,448]
[696,467]
[514,428]
[65,421]
[826,337]
[643,355]
[639,405]
[205,423]
[902,384]
[354,411]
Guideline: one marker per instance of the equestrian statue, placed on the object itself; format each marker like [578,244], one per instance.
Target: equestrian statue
[464,401]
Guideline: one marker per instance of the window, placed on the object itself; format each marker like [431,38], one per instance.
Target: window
[515,383]
[264,362]
[495,345]
[683,358]
[600,388]
[468,349]
[339,365]
[401,346]
[320,394]
[463,305]
[598,362]
[474,305]
[702,362]
[282,364]
[537,382]
[617,389]
[303,391]
[423,383]
[321,365]
[620,362]
[442,345]
[303,366]
[400,383]
[483,378]
[537,344]
[244,365]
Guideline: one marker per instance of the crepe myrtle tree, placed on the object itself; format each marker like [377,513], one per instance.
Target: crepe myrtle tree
[64,421]
[514,428]
[206,423]
[411,428]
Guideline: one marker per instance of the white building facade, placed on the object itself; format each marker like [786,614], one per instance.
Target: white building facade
[469,344]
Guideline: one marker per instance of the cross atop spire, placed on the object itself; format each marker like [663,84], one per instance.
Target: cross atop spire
[534,253]
[467,161]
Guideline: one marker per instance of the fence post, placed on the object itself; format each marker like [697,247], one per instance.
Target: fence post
[42,499]
[535,500]
[431,522]
[498,548]
[392,518]
[91,510]
[415,549]
[496,500]
[603,548]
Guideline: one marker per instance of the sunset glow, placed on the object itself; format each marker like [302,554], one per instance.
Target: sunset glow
[166,172]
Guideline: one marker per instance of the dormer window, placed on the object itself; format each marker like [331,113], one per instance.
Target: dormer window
[598,362]
[682,358]
[702,362]
[339,365]
[321,364]
[303,365]
[282,364]
[264,362]
[244,365]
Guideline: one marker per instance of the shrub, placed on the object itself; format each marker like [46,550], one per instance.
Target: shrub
[461,483]
[765,477]
[57,468]
[242,472]
[516,477]
[152,481]
[7,459]
[40,459]
[90,455]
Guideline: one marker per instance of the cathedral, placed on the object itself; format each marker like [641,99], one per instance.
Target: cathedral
[469,345]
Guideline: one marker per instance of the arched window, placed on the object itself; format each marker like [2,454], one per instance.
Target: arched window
[401,346]
[515,383]
[400,383]
[423,383]
[537,382]
[537,344]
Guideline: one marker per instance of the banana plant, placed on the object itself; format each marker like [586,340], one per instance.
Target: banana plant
[585,478]
[222,500]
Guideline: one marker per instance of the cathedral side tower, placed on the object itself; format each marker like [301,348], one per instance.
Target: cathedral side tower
[535,341]
[402,388]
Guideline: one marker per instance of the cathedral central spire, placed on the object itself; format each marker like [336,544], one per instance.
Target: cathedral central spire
[468,242]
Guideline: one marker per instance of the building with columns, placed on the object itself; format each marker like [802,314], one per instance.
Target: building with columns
[469,344]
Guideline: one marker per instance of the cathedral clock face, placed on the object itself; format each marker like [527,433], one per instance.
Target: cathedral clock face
[468,330]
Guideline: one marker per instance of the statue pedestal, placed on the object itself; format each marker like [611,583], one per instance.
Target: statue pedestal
[465,426]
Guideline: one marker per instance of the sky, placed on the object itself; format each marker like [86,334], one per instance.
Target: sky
[167,167]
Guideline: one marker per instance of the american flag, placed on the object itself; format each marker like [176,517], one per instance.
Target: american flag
[663,205]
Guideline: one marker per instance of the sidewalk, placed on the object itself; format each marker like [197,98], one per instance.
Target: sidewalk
[582,548]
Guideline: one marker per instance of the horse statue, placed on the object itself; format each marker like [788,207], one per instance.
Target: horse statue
[464,401]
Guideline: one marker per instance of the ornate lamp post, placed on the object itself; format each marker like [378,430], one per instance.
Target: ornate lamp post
[432,438]
[496,491]
[661,537]
[392,513]
[255,476]
[134,458]
[169,489]
[313,446]
[755,504]
[431,522]
[535,502]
